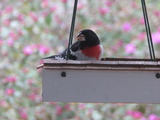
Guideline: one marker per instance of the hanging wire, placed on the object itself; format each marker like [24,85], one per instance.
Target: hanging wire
[147,26]
[72,28]
[148,31]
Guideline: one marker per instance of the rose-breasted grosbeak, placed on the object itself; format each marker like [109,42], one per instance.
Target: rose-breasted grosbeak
[87,47]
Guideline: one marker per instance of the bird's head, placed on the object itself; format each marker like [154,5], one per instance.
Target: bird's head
[88,38]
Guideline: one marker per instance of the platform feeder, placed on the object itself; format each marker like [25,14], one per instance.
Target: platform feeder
[111,80]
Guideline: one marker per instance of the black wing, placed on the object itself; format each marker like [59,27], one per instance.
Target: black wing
[74,47]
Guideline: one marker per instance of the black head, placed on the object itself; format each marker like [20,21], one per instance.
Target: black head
[90,38]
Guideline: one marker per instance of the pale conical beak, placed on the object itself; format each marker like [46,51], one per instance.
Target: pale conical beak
[81,37]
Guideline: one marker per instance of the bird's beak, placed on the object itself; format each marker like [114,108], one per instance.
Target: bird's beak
[81,37]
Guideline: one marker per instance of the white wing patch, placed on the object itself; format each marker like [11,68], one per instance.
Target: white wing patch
[59,58]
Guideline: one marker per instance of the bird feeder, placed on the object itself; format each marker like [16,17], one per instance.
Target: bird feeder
[113,80]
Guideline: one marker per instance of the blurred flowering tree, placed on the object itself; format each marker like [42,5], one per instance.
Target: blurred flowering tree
[32,29]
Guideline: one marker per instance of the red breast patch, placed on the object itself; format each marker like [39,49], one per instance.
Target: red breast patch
[94,51]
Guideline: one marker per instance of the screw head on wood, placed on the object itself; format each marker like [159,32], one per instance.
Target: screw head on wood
[63,74]
[158,75]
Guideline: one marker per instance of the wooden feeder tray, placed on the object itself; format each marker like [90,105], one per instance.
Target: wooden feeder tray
[111,80]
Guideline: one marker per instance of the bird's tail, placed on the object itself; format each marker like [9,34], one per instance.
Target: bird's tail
[50,57]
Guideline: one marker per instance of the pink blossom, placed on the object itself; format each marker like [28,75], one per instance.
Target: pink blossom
[156,37]
[43,49]
[5,53]
[23,114]
[25,70]
[141,36]
[153,117]
[157,13]
[90,111]
[67,107]
[58,19]
[130,48]
[30,81]
[126,27]
[46,13]
[45,3]
[103,11]
[134,4]
[10,42]
[81,106]
[142,21]
[80,6]
[6,22]
[3,103]
[99,23]
[13,35]
[20,32]
[120,43]
[28,50]
[33,16]
[33,96]
[108,3]
[64,1]
[135,114]
[117,46]
[133,21]
[11,79]
[1,42]
[59,110]
[9,91]
[53,8]
[21,18]
[8,10]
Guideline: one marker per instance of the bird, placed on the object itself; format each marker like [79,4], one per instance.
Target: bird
[87,47]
